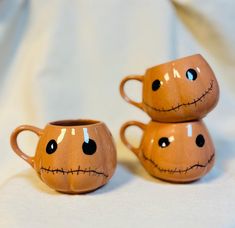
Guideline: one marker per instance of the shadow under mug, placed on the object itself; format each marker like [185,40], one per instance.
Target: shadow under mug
[184,89]
[72,156]
[176,152]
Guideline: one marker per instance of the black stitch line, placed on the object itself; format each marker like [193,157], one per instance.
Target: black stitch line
[198,165]
[184,104]
[73,171]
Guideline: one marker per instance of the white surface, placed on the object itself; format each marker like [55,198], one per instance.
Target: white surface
[65,59]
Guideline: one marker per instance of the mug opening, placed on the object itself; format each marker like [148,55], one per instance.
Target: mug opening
[74,122]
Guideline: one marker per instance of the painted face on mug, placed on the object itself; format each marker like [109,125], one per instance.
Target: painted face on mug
[74,159]
[177,152]
[180,90]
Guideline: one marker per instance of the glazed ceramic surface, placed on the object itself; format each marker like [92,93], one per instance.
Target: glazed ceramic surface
[72,156]
[181,90]
[179,152]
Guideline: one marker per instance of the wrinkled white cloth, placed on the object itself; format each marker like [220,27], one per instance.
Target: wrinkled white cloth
[65,59]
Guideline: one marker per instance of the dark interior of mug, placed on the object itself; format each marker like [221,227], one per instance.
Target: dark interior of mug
[74,122]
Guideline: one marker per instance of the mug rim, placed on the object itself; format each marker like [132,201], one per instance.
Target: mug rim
[74,123]
[174,60]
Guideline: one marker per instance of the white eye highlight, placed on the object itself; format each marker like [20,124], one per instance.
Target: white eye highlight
[86,135]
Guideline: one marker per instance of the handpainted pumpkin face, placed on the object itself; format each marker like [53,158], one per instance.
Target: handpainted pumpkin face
[180,152]
[181,90]
[75,156]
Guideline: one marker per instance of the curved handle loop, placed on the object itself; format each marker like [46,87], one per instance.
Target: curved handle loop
[14,143]
[123,94]
[123,136]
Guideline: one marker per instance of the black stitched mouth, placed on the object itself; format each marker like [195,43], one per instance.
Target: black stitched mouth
[194,102]
[74,171]
[172,171]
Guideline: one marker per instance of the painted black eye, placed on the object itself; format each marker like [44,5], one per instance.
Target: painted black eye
[163,142]
[51,146]
[191,74]
[156,85]
[89,147]
[200,141]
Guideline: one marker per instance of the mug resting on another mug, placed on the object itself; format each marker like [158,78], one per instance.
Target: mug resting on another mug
[177,152]
[72,156]
[181,90]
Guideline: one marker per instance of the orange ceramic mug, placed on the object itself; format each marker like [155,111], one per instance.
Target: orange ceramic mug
[181,90]
[177,152]
[72,156]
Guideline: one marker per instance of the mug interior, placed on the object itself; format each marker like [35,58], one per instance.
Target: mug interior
[74,122]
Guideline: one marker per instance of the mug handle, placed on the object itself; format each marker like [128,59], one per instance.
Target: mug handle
[123,136]
[123,94]
[14,143]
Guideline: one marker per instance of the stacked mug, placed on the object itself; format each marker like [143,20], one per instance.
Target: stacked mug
[176,145]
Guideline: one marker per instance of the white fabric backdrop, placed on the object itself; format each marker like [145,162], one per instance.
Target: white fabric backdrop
[65,59]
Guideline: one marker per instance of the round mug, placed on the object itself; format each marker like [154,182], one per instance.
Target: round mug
[176,152]
[72,156]
[184,89]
